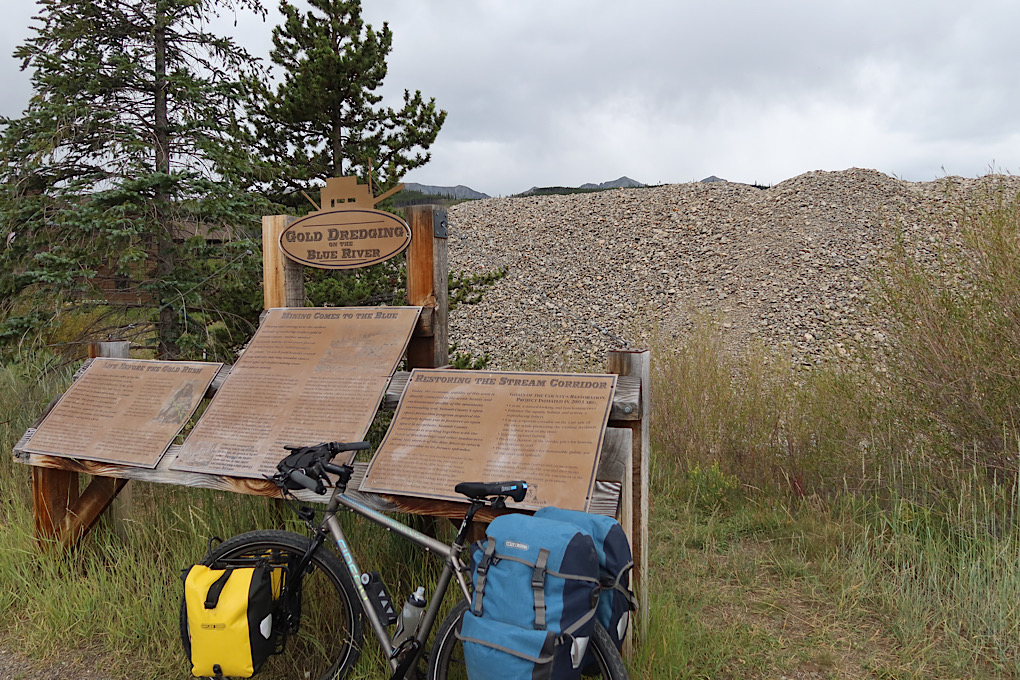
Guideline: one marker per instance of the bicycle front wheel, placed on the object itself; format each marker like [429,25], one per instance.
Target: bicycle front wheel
[446,661]
[328,642]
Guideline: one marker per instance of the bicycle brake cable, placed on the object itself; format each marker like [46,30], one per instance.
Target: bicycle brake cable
[304,512]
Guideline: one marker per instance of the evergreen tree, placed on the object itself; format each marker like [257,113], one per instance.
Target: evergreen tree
[133,142]
[325,118]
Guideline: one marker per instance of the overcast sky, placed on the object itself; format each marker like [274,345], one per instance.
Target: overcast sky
[563,92]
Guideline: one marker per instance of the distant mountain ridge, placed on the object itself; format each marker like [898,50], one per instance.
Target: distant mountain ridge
[622,183]
[460,191]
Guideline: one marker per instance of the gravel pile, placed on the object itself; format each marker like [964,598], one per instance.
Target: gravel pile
[790,265]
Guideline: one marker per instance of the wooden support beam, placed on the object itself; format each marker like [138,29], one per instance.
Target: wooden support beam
[427,284]
[426,322]
[82,516]
[53,492]
[634,496]
[283,280]
[115,349]
[62,515]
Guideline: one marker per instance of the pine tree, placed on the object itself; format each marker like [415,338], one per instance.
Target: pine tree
[325,118]
[132,142]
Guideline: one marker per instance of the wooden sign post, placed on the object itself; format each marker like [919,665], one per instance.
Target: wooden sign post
[634,495]
[283,280]
[427,286]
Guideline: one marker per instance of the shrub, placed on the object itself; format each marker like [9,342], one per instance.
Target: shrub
[754,416]
[710,489]
[955,329]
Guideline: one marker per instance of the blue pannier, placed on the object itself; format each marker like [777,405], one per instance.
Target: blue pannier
[536,585]
[615,563]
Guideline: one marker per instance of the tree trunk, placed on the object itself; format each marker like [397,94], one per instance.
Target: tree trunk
[338,148]
[164,236]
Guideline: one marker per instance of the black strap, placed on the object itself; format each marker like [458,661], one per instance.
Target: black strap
[409,652]
[212,598]
[627,594]
[577,625]
[483,572]
[538,587]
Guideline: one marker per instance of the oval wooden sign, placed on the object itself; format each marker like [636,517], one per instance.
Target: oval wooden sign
[345,239]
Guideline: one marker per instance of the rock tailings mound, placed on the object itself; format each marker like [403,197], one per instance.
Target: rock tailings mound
[790,265]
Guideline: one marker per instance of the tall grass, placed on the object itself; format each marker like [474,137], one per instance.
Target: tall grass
[807,432]
[956,330]
[946,577]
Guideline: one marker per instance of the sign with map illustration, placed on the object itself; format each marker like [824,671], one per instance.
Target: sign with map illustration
[124,411]
[481,426]
[309,375]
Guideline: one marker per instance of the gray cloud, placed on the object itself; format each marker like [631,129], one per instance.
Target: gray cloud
[565,92]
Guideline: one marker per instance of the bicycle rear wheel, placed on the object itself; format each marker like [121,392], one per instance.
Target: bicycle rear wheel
[329,640]
[446,661]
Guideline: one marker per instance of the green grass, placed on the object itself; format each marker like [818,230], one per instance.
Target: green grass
[846,588]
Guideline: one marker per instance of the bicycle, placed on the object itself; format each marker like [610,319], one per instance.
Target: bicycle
[325,600]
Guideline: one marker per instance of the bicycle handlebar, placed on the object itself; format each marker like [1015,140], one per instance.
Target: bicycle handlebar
[304,480]
[306,466]
[332,447]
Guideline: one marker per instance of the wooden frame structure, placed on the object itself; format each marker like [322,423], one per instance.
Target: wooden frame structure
[63,515]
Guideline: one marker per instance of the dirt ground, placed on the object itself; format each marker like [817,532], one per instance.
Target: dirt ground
[16,666]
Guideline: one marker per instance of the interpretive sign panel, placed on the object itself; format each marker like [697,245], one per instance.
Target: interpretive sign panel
[124,411]
[460,426]
[309,375]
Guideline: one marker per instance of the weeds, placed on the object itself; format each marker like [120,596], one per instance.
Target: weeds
[956,327]
[711,489]
[755,418]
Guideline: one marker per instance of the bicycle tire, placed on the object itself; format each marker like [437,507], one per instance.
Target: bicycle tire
[446,660]
[329,639]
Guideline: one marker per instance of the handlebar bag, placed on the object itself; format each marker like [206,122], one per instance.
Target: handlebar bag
[230,615]
[536,588]
[615,563]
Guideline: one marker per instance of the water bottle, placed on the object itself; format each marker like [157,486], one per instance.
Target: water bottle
[414,610]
